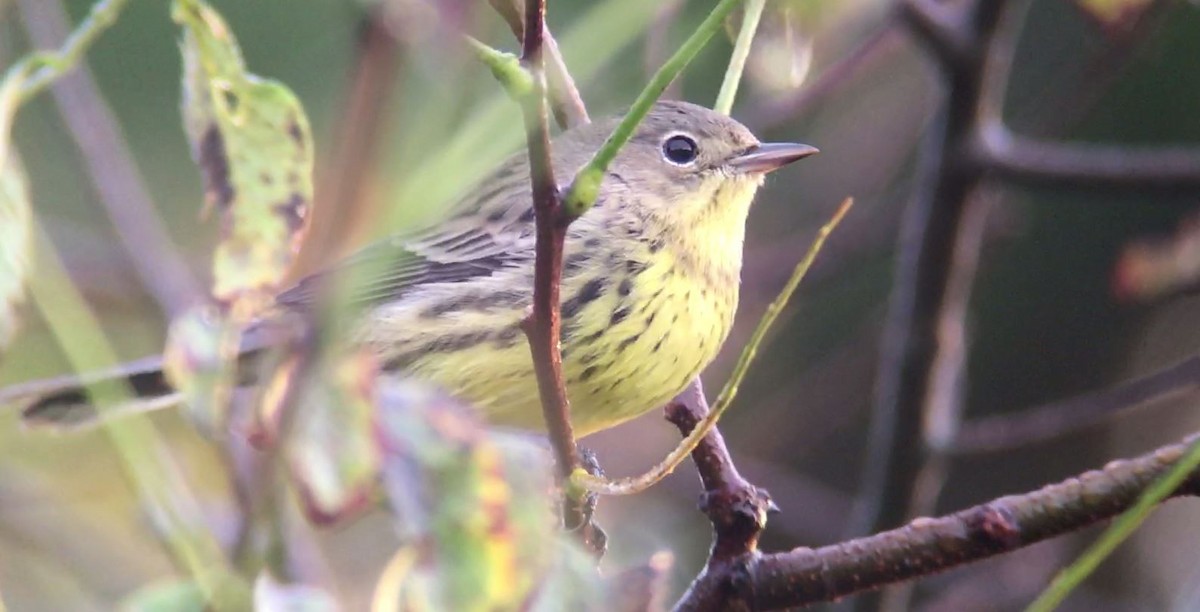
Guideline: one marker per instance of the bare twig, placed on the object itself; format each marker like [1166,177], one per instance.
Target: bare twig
[1033,425]
[122,191]
[927,546]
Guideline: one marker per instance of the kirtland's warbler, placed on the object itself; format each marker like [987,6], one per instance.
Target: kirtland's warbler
[649,287]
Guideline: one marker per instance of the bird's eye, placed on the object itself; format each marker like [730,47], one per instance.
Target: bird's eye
[680,149]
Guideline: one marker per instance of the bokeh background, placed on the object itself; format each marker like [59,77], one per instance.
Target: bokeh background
[1044,320]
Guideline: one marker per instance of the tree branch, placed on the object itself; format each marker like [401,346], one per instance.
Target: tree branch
[566,103]
[927,546]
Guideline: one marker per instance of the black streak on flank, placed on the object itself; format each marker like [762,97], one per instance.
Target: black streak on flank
[527,216]
[448,344]
[508,336]
[626,342]
[292,212]
[619,314]
[214,165]
[658,345]
[590,292]
[588,373]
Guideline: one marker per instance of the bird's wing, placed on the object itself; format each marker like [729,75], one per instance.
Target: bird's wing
[491,229]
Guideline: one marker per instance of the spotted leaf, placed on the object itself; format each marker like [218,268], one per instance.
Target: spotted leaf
[251,138]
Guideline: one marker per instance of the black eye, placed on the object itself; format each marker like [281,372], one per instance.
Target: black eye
[680,149]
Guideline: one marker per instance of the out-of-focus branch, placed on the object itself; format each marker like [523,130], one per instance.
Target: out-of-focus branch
[927,546]
[1054,420]
[566,103]
[922,307]
[122,191]
[655,51]
[1020,158]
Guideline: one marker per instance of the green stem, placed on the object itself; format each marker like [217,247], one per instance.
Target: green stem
[1121,529]
[586,184]
[173,508]
[737,61]
[636,484]
[48,66]
[506,67]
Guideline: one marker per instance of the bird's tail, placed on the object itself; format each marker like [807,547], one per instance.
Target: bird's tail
[63,402]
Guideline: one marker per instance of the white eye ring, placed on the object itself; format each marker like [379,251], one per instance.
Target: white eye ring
[680,149]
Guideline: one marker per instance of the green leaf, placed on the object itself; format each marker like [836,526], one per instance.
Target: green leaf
[166,596]
[332,450]
[199,360]
[477,504]
[252,141]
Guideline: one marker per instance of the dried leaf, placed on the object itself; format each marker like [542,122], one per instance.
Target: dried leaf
[332,452]
[478,505]
[251,138]
[1149,269]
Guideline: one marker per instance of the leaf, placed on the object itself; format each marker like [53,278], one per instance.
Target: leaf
[252,141]
[332,450]
[16,240]
[199,361]
[1152,268]
[166,596]
[477,504]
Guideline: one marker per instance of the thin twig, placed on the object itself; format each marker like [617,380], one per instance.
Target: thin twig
[927,546]
[635,484]
[585,187]
[565,101]
[112,169]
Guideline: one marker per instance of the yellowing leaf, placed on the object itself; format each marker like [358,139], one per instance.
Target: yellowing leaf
[332,450]
[253,144]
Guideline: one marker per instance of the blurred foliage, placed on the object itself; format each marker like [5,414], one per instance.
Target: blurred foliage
[1044,321]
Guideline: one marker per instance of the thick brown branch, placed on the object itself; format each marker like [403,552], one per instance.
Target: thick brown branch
[927,546]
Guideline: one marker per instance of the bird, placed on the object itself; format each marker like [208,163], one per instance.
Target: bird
[649,285]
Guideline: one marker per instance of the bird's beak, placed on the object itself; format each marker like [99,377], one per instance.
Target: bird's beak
[770,156]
